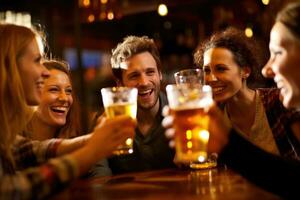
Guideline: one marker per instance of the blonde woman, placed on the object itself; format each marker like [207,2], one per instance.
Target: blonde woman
[21,83]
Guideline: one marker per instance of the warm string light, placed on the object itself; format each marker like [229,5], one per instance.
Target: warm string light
[162,10]
[265,2]
[249,32]
[110,15]
[91,18]
[86,3]
[20,18]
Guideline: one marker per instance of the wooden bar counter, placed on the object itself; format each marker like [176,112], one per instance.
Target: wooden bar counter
[170,184]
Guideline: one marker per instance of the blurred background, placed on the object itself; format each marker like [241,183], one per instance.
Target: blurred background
[83,32]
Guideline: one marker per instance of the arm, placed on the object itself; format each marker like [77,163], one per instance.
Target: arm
[276,174]
[39,182]
[31,153]
[70,145]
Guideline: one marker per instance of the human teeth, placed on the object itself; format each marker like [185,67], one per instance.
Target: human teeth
[144,92]
[63,109]
[217,89]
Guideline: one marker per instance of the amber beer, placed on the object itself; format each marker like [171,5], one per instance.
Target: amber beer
[187,103]
[191,125]
[120,101]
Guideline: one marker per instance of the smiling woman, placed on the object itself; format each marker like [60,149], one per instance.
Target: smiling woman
[229,59]
[57,115]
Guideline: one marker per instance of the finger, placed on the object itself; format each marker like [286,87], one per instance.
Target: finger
[172,143]
[165,111]
[167,121]
[170,133]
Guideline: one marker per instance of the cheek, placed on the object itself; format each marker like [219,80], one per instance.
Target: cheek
[71,100]
[42,110]
[129,83]
[47,99]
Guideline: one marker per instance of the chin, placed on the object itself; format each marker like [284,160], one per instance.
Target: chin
[219,98]
[59,123]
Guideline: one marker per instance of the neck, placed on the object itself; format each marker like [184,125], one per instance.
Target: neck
[146,115]
[40,130]
[242,102]
[146,118]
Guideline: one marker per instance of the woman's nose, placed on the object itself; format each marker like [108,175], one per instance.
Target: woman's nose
[62,96]
[45,72]
[210,77]
[267,71]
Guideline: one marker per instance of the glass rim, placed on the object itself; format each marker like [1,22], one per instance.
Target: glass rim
[187,70]
[118,88]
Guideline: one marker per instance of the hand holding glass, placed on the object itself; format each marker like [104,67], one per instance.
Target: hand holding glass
[120,101]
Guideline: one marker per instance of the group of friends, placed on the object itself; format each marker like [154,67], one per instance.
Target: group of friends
[255,131]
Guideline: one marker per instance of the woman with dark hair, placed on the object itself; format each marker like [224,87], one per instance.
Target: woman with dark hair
[276,174]
[230,61]
[57,115]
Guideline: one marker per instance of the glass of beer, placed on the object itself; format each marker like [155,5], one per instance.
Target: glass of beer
[120,101]
[190,76]
[196,76]
[187,103]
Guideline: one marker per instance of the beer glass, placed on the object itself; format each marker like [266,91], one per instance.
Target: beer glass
[196,76]
[120,101]
[190,76]
[187,103]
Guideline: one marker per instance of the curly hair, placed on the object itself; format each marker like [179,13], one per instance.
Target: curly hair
[131,46]
[245,50]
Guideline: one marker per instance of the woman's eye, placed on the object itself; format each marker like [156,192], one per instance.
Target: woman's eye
[53,89]
[221,69]
[68,91]
[277,53]
[207,70]
[38,59]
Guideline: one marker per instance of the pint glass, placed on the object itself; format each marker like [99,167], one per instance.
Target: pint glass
[120,101]
[187,103]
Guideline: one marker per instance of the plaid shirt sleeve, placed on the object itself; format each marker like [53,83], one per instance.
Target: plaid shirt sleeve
[28,153]
[36,182]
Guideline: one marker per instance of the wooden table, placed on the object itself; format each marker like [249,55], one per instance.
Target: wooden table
[218,183]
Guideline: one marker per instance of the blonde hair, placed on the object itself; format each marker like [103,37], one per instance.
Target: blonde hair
[14,40]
